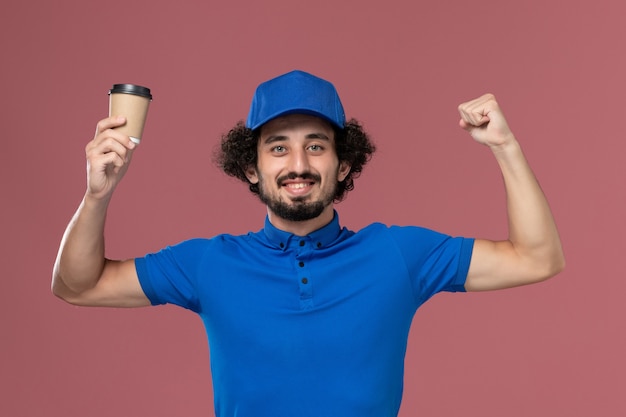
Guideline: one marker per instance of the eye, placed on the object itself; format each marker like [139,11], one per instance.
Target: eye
[316,148]
[278,149]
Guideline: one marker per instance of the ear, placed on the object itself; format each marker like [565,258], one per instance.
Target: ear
[251,174]
[344,170]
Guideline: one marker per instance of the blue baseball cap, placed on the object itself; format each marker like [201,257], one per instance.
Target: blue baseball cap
[295,92]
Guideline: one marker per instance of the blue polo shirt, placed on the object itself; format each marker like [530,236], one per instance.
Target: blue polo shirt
[307,326]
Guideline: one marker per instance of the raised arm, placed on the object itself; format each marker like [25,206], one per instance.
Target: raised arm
[533,251]
[82,275]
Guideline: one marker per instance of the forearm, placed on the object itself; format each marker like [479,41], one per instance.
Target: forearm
[80,260]
[533,250]
[532,229]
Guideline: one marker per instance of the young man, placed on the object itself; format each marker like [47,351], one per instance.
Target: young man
[305,318]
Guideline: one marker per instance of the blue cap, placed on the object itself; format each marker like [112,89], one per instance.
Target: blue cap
[295,92]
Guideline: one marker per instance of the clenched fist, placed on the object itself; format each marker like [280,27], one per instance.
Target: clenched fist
[485,122]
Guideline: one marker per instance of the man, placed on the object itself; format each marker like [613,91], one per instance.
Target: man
[305,318]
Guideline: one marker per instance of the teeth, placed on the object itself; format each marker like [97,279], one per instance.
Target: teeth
[299,185]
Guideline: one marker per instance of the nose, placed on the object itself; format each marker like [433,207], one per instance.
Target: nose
[299,161]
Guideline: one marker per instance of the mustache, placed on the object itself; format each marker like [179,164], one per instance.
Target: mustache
[303,175]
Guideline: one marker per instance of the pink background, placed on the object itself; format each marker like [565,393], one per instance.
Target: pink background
[557,67]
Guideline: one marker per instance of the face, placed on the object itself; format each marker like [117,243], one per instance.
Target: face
[297,167]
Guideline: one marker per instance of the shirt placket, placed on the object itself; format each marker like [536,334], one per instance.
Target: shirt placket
[305,281]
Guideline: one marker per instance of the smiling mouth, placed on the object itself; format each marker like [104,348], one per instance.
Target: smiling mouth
[298,185]
[298,191]
[298,182]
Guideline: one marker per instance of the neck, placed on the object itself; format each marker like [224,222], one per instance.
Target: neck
[302,228]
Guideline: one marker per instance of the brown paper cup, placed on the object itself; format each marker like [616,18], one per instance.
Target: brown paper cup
[131,101]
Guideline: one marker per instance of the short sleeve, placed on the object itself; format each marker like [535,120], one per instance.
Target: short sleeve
[436,262]
[170,275]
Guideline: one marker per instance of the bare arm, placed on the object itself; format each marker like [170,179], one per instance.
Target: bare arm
[532,252]
[81,273]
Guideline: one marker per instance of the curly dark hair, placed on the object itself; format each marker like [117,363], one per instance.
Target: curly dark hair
[238,151]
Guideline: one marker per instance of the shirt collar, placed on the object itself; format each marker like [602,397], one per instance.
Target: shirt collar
[319,238]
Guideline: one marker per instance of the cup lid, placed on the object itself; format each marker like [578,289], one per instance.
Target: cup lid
[134,89]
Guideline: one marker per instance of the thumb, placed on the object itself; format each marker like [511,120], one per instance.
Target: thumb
[466,125]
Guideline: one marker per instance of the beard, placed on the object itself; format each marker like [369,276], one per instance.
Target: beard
[299,209]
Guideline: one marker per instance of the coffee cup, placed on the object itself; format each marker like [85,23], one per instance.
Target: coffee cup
[132,102]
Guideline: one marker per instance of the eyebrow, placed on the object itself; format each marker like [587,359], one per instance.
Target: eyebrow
[282,138]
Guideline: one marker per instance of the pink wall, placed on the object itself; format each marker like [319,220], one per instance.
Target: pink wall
[557,67]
